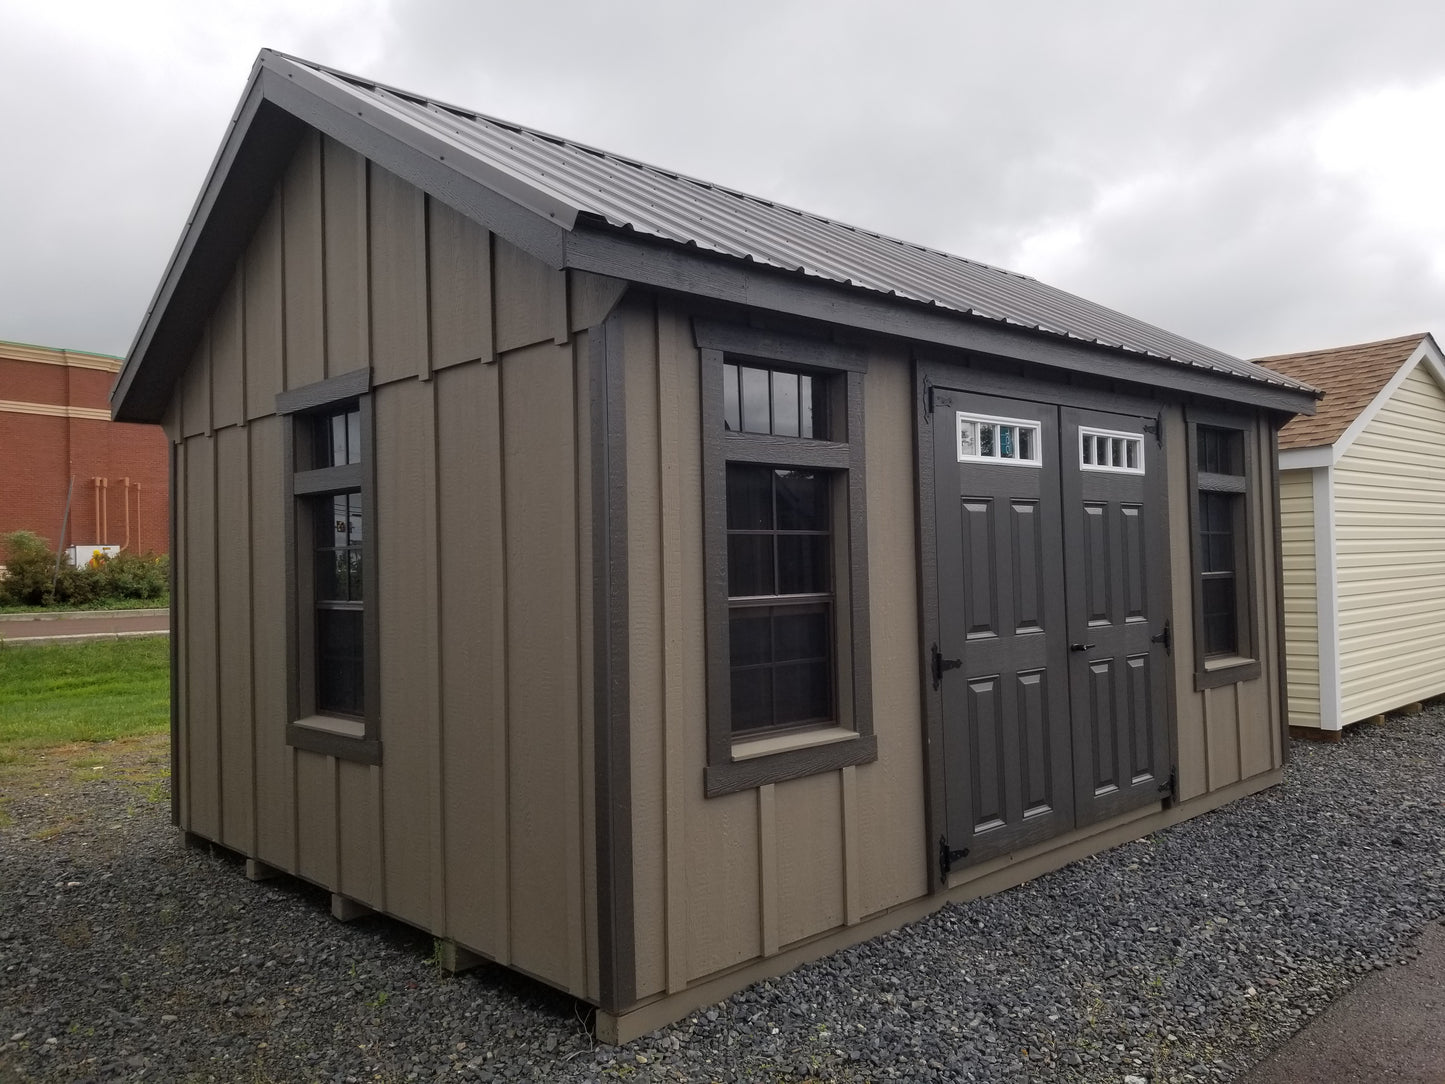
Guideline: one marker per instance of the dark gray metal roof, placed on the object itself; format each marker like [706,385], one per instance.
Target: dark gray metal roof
[562,180]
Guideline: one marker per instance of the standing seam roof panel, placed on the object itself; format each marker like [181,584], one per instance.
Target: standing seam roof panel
[633,196]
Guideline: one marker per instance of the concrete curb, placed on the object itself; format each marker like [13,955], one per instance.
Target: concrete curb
[82,615]
[77,638]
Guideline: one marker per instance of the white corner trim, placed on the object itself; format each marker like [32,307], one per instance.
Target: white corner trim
[1424,352]
[1307,458]
[1327,598]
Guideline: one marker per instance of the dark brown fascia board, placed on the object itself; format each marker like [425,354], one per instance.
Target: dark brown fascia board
[607,251]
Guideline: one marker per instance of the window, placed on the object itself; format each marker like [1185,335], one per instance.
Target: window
[1223,591]
[983,439]
[331,572]
[788,664]
[1106,450]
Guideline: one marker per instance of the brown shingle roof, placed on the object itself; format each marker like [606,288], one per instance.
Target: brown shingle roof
[1350,376]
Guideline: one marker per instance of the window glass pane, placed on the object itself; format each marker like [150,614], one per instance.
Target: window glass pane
[339,683]
[802,693]
[331,575]
[353,518]
[752,695]
[755,408]
[732,411]
[808,414]
[353,436]
[750,565]
[803,564]
[986,440]
[802,500]
[1220,624]
[338,441]
[801,635]
[785,404]
[1026,444]
[751,634]
[353,564]
[750,498]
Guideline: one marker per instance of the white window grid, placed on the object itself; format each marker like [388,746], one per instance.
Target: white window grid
[1110,450]
[984,438]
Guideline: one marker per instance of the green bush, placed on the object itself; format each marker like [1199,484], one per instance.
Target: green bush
[30,571]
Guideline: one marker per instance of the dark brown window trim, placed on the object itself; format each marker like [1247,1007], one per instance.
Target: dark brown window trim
[720,342]
[1214,672]
[300,484]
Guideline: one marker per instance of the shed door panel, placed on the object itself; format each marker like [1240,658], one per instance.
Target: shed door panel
[1051,590]
[1006,737]
[1113,550]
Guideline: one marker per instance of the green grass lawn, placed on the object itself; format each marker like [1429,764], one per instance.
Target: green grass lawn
[52,694]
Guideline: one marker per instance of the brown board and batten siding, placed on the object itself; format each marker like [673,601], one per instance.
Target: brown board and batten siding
[477,824]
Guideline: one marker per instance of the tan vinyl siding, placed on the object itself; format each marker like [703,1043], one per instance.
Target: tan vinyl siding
[1390,531]
[1301,596]
[477,825]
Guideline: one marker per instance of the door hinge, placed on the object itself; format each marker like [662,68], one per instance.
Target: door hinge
[940,664]
[1171,788]
[1156,429]
[1166,638]
[947,857]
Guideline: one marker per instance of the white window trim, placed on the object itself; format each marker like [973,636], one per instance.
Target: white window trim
[1134,438]
[990,419]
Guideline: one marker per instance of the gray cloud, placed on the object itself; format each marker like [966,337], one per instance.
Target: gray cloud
[967,126]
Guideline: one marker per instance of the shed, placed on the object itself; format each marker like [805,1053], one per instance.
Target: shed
[649,587]
[1362,486]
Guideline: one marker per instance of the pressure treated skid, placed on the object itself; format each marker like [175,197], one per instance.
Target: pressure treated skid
[541,576]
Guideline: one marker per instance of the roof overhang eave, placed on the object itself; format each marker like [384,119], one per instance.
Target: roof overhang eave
[595,246]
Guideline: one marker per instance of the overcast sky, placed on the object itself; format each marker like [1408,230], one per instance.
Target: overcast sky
[1260,175]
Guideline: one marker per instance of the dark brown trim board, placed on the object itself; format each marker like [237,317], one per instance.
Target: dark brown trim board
[1279,632]
[617,958]
[174,649]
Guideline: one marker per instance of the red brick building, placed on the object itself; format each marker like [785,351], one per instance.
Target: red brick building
[55,429]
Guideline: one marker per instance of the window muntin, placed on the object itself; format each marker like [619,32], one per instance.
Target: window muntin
[775,402]
[1111,451]
[986,439]
[780,601]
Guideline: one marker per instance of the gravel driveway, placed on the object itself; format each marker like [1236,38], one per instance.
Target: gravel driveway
[1182,957]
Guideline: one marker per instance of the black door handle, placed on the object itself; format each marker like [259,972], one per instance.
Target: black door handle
[1080,647]
[940,664]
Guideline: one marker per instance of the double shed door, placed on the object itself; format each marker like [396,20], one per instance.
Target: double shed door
[1052,610]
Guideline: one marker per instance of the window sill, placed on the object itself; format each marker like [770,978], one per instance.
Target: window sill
[344,739]
[777,759]
[1226,670]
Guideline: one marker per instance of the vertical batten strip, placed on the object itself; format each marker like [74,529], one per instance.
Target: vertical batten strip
[768,869]
[617,964]
[440,917]
[674,663]
[253,837]
[421,282]
[495,495]
[1327,597]
[852,909]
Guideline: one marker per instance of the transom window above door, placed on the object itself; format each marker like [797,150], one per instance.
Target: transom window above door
[1107,450]
[985,439]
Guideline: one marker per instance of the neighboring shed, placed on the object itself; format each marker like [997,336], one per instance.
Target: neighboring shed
[1362,486]
[649,587]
